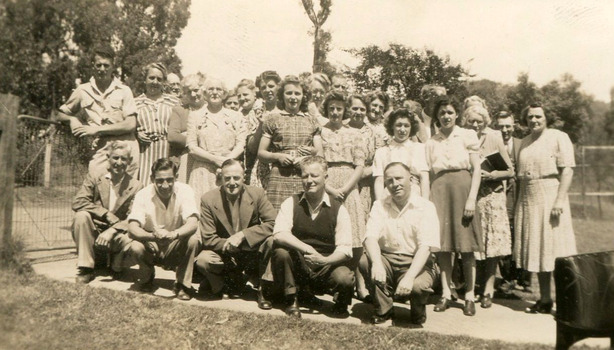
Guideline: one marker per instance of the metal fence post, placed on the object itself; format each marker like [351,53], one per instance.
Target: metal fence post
[9,105]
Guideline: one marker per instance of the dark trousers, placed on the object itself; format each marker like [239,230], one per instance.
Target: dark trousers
[227,269]
[292,272]
[396,266]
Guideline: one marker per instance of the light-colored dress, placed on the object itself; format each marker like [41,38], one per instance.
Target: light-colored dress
[153,119]
[217,133]
[365,186]
[379,131]
[539,239]
[410,153]
[492,202]
[343,151]
[287,133]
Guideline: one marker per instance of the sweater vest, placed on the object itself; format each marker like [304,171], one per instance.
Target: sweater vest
[320,232]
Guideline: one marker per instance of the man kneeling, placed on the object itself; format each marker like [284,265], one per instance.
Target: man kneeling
[162,223]
[313,236]
[401,231]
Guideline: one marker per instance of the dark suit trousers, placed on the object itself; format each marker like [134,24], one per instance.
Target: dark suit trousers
[292,272]
[227,269]
[396,266]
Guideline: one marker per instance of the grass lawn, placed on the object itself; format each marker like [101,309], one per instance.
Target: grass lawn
[38,313]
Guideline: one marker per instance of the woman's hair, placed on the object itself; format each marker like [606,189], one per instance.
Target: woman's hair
[402,113]
[523,116]
[377,95]
[476,109]
[156,65]
[330,97]
[474,100]
[294,80]
[442,101]
[247,83]
[264,77]
[352,97]
[231,93]
[322,79]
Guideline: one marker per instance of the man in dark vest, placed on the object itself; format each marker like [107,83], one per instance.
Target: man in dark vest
[313,239]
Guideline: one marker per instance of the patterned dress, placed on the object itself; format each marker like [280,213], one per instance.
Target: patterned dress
[153,118]
[365,186]
[287,132]
[492,202]
[259,173]
[343,151]
[379,131]
[217,133]
[538,239]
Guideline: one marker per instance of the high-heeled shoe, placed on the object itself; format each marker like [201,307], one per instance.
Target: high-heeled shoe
[540,307]
[442,305]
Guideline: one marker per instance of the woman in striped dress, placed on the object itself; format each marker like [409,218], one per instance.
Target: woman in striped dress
[287,137]
[154,113]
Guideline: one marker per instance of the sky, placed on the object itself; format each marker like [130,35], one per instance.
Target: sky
[493,39]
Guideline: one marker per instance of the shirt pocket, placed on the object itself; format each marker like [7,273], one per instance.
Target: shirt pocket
[115,104]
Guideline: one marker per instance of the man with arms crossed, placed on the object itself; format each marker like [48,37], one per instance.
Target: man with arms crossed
[235,220]
[402,231]
[313,235]
[102,206]
[162,223]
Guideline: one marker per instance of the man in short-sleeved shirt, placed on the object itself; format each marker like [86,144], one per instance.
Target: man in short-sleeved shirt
[163,221]
[104,110]
[402,230]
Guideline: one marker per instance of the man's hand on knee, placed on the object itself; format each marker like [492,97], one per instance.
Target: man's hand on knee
[405,286]
[104,239]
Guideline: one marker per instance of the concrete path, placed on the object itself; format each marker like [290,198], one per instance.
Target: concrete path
[505,321]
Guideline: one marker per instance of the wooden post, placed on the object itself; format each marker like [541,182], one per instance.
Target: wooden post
[583,174]
[9,106]
[48,148]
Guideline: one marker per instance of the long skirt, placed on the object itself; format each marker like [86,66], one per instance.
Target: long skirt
[496,234]
[449,193]
[538,238]
[337,178]
[283,183]
[203,178]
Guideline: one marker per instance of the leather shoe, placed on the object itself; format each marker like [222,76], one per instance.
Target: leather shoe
[292,309]
[379,319]
[84,275]
[308,299]
[340,310]
[181,293]
[540,307]
[417,314]
[263,303]
[486,301]
[469,308]
[442,305]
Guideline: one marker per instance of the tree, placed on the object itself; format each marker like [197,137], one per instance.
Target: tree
[321,37]
[402,71]
[46,45]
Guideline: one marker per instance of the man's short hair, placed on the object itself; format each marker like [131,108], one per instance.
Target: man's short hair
[163,164]
[119,145]
[432,89]
[105,51]
[231,162]
[314,160]
[402,165]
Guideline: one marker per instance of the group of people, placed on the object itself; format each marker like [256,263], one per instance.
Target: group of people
[305,188]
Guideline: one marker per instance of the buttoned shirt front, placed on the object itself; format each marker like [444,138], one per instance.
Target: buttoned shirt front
[101,107]
[452,152]
[149,211]
[343,230]
[404,231]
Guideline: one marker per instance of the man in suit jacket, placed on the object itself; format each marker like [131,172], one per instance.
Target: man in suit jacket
[235,220]
[102,206]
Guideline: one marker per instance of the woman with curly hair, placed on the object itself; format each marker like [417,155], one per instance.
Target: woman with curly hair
[319,85]
[401,125]
[288,137]
[377,105]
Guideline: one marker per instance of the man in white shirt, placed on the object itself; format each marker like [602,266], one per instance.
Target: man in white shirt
[163,221]
[313,238]
[402,231]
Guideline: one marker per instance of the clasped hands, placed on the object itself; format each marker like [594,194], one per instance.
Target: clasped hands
[301,152]
[313,258]
[233,242]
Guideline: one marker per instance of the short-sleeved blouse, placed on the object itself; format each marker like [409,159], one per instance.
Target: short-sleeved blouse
[552,150]
[289,131]
[216,133]
[343,146]
[452,152]
[412,154]
[368,142]
[381,135]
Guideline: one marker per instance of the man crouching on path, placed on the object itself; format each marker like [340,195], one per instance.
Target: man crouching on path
[402,230]
[102,206]
[313,235]
[163,220]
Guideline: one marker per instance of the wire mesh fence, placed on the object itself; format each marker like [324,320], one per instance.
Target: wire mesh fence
[51,164]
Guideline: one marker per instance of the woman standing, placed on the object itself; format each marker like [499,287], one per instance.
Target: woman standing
[453,156]
[492,200]
[402,125]
[214,135]
[378,103]
[543,229]
[319,84]
[357,110]
[154,113]
[287,137]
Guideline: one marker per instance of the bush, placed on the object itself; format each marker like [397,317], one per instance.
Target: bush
[13,256]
